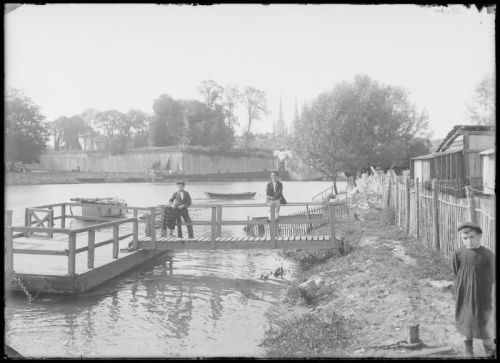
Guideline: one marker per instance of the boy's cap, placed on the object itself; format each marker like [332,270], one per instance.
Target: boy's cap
[181,182]
[470,225]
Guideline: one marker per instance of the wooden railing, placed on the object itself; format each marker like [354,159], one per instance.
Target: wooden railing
[216,222]
[71,251]
[329,214]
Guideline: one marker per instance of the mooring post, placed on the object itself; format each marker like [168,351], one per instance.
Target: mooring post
[471,204]
[333,237]
[116,241]
[435,219]
[417,193]
[407,225]
[398,204]
[219,220]
[63,215]
[213,227]
[135,234]
[91,251]
[71,253]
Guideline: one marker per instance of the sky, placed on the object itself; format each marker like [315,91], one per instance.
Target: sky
[69,57]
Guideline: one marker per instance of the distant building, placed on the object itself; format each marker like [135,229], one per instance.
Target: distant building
[457,157]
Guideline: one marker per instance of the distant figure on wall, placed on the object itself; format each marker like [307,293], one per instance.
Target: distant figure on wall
[274,193]
[183,202]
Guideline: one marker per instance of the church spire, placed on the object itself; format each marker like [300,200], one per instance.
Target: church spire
[280,124]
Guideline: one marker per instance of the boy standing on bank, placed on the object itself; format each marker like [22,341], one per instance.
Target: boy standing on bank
[474,268]
[183,202]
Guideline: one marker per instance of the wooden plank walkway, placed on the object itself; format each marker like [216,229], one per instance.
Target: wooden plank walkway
[235,243]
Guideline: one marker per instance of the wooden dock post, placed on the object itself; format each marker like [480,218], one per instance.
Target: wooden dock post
[91,251]
[152,225]
[398,206]
[333,237]
[219,219]
[51,222]
[272,229]
[9,249]
[8,218]
[135,234]
[63,215]
[27,221]
[163,230]
[213,231]
[71,253]
[435,219]
[407,225]
[471,204]
[116,241]
[417,193]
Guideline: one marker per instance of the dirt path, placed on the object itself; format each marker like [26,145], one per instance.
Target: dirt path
[386,282]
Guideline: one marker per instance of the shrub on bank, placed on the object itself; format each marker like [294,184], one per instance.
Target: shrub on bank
[308,335]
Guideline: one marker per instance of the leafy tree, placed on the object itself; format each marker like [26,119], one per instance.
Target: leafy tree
[256,106]
[168,121]
[357,125]
[231,97]
[113,125]
[211,92]
[26,134]
[139,123]
[67,130]
[90,117]
[481,111]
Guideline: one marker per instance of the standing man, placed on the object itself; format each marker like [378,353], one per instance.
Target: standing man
[274,193]
[183,201]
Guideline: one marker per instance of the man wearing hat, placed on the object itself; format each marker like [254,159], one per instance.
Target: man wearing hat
[183,201]
[474,268]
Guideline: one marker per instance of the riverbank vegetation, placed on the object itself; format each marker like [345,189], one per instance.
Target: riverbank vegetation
[357,304]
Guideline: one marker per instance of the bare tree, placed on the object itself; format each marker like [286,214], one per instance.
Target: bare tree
[256,106]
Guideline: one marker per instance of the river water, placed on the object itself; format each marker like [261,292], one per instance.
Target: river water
[212,303]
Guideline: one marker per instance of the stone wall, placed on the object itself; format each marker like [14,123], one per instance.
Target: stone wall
[141,160]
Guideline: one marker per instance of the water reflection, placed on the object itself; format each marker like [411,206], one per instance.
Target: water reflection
[209,304]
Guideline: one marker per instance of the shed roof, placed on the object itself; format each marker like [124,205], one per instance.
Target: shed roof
[458,129]
[487,152]
[434,155]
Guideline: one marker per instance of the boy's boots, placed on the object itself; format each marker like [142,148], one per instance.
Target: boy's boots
[469,352]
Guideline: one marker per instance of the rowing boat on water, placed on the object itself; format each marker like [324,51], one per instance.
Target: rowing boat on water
[247,195]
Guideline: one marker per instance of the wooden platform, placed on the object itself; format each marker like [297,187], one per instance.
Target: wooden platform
[236,243]
[50,274]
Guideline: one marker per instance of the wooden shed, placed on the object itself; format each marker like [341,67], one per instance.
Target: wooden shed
[457,157]
[488,168]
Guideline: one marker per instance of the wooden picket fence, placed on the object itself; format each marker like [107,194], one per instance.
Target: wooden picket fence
[434,215]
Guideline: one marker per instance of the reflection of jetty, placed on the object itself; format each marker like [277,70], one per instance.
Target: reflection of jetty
[114,246]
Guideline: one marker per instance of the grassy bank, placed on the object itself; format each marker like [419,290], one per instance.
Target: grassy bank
[359,304]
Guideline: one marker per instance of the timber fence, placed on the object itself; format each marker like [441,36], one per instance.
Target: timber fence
[433,215]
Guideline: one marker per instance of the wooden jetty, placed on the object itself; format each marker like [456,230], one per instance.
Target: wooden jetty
[76,260]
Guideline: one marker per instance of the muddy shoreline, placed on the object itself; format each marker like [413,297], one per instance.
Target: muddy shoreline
[362,303]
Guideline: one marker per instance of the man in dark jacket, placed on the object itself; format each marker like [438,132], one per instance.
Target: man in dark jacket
[183,201]
[274,193]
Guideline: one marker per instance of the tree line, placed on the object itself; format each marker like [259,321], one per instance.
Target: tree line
[349,128]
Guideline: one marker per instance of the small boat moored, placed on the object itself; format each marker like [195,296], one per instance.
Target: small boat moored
[247,195]
[102,207]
